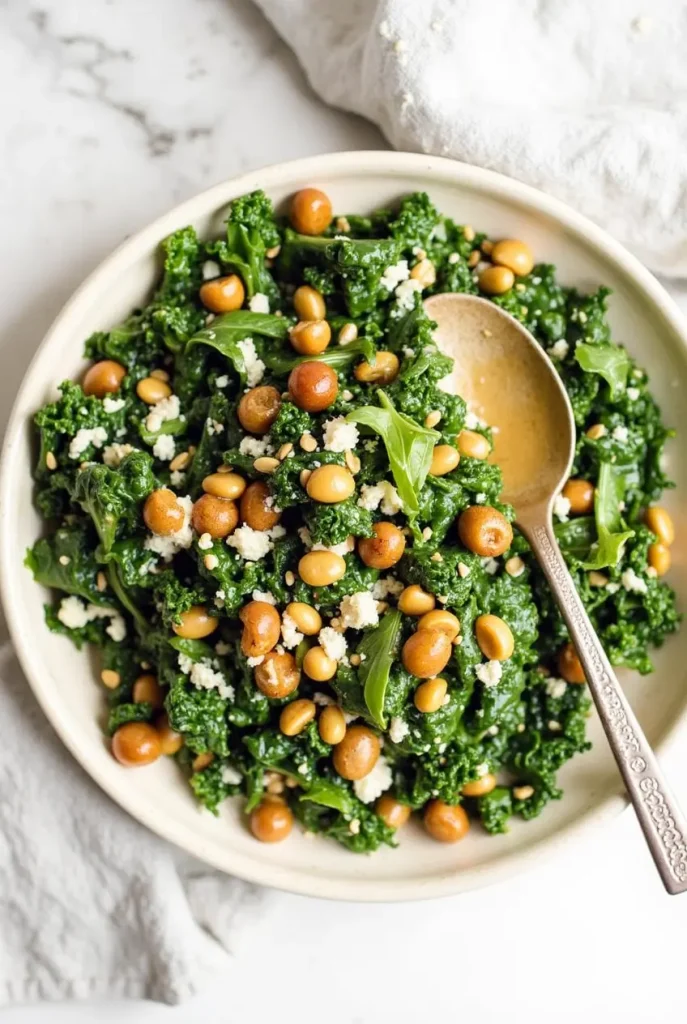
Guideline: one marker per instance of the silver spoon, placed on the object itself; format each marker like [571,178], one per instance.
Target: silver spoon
[508,379]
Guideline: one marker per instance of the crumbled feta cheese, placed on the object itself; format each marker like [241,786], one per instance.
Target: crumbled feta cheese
[164,410]
[620,433]
[210,269]
[266,596]
[382,493]
[111,405]
[322,699]
[398,729]
[613,588]
[255,447]
[251,544]
[632,582]
[214,427]
[359,610]
[168,545]
[334,643]
[393,275]
[344,548]
[230,775]
[205,542]
[164,448]
[339,436]
[406,292]
[289,632]
[305,536]
[97,436]
[75,614]
[374,783]
[482,770]
[205,677]
[255,368]
[632,394]
[259,303]
[254,662]
[302,769]
[556,687]
[114,453]
[480,499]
[561,508]
[489,672]
[491,565]
[453,258]
[388,586]
[185,664]
[222,382]
[177,478]
[559,350]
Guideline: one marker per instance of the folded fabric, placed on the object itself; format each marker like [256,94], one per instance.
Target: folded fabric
[584,100]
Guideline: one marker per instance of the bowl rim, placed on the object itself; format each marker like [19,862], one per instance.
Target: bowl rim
[352,164]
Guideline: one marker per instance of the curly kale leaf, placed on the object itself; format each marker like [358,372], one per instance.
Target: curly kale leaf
[209,785]
[291,423]
[415,222]
[495,809]
[65,561]
[420,778]
[201,715]
[123,713]
[318,816]
[332,524]
[110,496]
[58,422]
[251,230]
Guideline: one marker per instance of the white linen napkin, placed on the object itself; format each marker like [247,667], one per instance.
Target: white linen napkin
[92,904]
[585,100]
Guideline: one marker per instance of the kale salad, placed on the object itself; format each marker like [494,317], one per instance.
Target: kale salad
[287,540]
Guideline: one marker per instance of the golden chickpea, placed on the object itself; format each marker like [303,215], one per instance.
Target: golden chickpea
[357,753]
[426,652]
[309,303]
[382,370]
[580,494]
[496,280]
[494,637]
[332,725]
[660,522]
[659,558]
[296,716]
[430,695]
[310,337]
[441,619]
[308,620]
[391,811]
[259,408]
[216,516]
[195,623]
[278,675]
[147,690]
[481,786]
[485,531]
[170,740]
[162,512]
[474,445]
[257,507]
[515,255]
[445,823]
[445,458]
[384,549]
[415,601]
[224,485]
[272,820]
[261,628]
[103,378]
[151,390]
[136,743]
[311,211]
[570,666]
[330,484]
[321,568]
[313,386]
[318,665]
[223,294]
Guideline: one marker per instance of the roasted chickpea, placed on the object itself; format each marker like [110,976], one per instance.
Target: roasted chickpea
[261,628]
[473,445]
[318,665]
[278,675]
[152,390]
[384,549]
[515,255]
[494,637]
[195,623]
[660,522]
[430,695]
[272,820]
[310,337]
[224,485]
[147,690]
[223,294]
[496,280]
[259,408]
[445,458]
[426,652]
[136,743]
[570,666]
[392,812]
[415,601]
[311,211]
[485,531]
[296,716]
[330,484]
[170,741]
[103,378]
[382,370]
[357,753]
[580,494]
[308,620]
[445,823]
[332,725]
[216,516]
[481,786]
[162,512]
[309,303]
[321,568]
[257,507]
[443,620]
[313,386]
[659,558]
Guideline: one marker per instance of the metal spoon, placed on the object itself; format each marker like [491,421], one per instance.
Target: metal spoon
[509,380]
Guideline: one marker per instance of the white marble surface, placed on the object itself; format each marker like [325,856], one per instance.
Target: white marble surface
[114,110]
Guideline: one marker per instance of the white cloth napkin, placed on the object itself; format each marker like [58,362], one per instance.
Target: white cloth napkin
[585,99]
[91,903]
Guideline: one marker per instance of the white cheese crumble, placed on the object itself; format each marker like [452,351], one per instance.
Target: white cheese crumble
[491,565]
[255,447]
[559,350]
[383,494]
[164,410]
[210,269]
[168,546]
[632,394]
[388,586]
[489,672]
[393,275]
[266,596]
[96,436]
[75,614]
[322,699]
[164,448]
[374,783]
[406,292]
[556,687]
[255,367]
[259,303]
[290,633]
[222,382]
[339,436]
[213,427]
[114,453]
[561,508]
[333,643]
[359,610]
[253,662]
[632,582]
[230,775]
[205,542]
[251,544]
[620,433]
[398,729]
[111,405]
[204,676]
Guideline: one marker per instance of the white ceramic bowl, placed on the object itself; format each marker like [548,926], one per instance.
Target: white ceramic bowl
[643,317]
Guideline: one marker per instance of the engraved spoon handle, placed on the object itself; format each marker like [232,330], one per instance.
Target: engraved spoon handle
[662,822]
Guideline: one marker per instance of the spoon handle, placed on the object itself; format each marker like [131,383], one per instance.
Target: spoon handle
[664,827]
